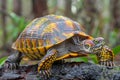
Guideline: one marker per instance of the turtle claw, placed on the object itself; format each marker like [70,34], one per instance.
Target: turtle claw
[10,66]
[44,74]
[108,64]
[111,64]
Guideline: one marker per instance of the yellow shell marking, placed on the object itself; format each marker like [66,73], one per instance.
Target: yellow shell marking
[58,40]
[42,50]
[68,35]
[83,34]
[22,43]
[69,23]
[34,48]
[70,55]
[28,42]
[48,41]
[59,17]
[34,43]
[29,25]
[39,23]
[19,45]
[40,42]
[27,51]
[50,28]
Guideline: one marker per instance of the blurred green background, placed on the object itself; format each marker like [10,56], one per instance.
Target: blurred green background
[99,17]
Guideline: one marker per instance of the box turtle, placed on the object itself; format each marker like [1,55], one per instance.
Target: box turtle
[52,38]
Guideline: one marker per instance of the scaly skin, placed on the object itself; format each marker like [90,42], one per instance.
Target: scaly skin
[106,57]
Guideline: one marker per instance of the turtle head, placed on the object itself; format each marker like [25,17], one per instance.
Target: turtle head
[93,46]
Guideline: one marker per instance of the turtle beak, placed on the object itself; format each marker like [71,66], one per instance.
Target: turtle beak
[99,46]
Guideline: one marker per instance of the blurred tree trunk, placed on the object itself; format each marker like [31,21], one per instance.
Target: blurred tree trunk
[39,8]
[91,13]
[68,5]
[17,7]
[3,23]
[115,10]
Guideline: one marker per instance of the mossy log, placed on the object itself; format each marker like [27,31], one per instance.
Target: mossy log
[64,71]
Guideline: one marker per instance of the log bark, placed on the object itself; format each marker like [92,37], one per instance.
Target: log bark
[64,71]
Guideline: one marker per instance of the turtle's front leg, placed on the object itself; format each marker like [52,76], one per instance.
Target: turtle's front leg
[13,61]
[46,62]
[106,57]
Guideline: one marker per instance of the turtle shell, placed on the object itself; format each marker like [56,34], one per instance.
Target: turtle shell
[45,32]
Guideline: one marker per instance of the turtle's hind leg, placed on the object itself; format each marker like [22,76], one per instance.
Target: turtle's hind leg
[45,64]
[13,61]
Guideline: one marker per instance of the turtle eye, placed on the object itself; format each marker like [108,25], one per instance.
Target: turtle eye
[96,42]
[87,46]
